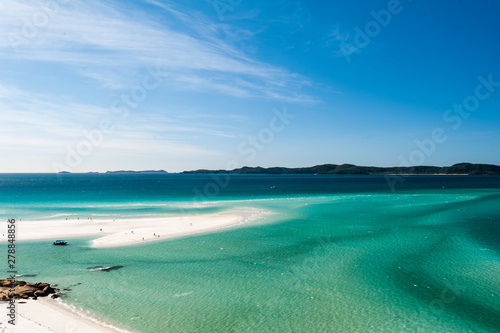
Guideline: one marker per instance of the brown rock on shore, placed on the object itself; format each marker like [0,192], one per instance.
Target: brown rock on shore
[24,290]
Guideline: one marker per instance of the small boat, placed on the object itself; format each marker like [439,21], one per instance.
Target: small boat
[60,242]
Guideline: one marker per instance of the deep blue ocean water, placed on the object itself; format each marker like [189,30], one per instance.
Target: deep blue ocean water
[333,254]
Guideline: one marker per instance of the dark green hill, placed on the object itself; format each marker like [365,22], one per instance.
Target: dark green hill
[350,169]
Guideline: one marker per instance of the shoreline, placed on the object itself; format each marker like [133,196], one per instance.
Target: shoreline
[129,231]
[48,315]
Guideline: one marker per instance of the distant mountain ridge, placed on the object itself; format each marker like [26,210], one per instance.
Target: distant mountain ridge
[126,172]
[131,171]
[351,169]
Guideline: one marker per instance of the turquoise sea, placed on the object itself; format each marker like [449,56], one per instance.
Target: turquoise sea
[328,254]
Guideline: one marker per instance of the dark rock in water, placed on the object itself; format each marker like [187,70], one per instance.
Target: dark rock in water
[112,268]
[24,290]
[94,268]
[54,296]
[105,268]
[5,283]
[48,290]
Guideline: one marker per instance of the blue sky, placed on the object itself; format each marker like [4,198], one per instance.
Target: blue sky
[181,85]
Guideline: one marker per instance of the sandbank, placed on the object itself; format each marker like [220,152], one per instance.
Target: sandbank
[127,231]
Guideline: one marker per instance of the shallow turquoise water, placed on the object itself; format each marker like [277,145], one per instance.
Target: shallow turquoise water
[335,255]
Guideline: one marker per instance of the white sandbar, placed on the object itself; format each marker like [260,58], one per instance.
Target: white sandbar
[127,231]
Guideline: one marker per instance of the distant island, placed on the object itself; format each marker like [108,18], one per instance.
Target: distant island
[351,169]
[145,171]
[128,172]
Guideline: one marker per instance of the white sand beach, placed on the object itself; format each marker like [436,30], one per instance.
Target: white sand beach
[47,315]
[127,231]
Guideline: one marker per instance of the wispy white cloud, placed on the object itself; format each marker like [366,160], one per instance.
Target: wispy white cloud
[29,120]
[166,128]
[100,40]
[147,146]
[32,122]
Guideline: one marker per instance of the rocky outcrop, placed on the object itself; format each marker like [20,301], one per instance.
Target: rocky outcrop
[24,290]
